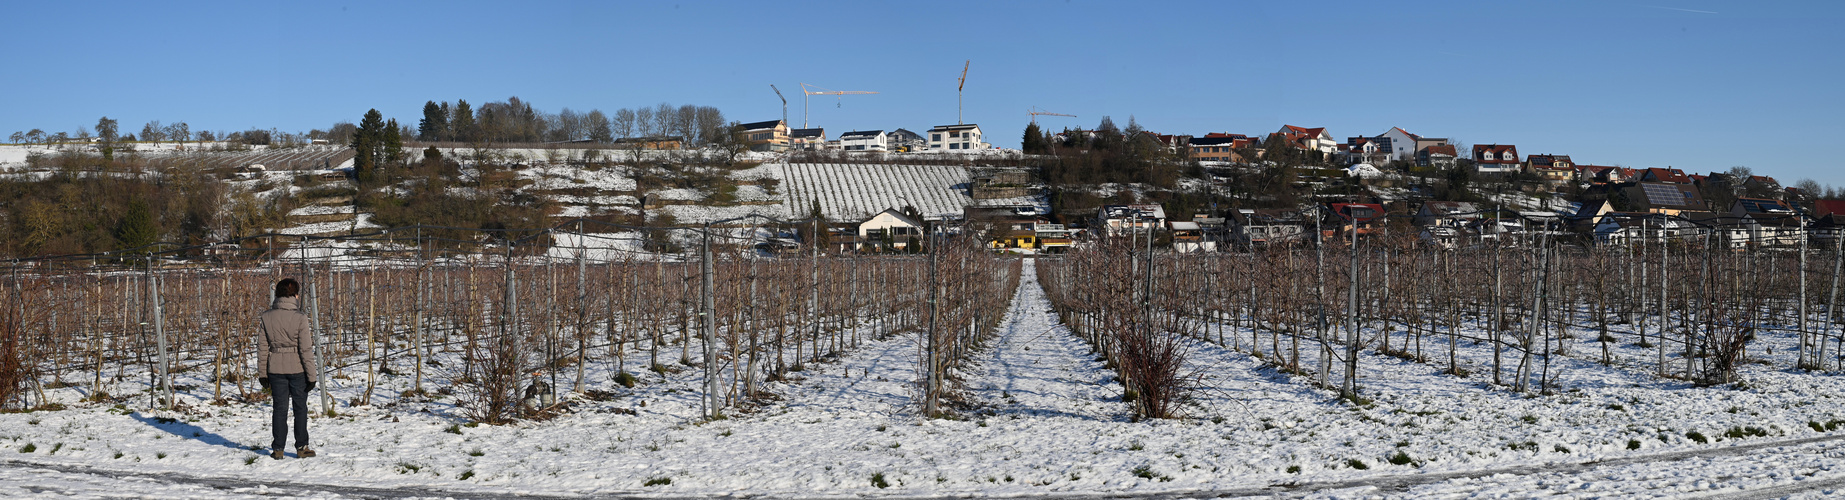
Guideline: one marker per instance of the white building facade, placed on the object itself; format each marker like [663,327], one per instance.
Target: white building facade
[869,140]
[956,138]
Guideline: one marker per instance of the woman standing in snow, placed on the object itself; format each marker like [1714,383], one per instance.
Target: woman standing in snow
[285,359]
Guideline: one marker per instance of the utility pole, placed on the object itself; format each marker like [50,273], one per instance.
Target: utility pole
[1350,388]
[931,379]
[708,312]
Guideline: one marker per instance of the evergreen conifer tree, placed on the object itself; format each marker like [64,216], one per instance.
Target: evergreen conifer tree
[461,122]
[137,227]
[393,144]
[1033,143]
[366,142]
[434,126]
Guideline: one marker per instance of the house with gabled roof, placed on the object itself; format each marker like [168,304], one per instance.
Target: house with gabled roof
[807,138]
[1828,223]
[956,138]
[905,141]
[1311,139]
[1436,156]
[1664,197]
[1762,185]
[888,230]
[1366,217]
[1770,222]
[1495,158]
[1667,174]
[1220,147]
[766,136]
[864,140]
[1398,144]
[1446,213]
[1363,150]
[1555,169]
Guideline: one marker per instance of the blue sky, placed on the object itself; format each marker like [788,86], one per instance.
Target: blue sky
[1693,84]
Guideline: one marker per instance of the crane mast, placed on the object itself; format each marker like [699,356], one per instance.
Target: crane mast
[778,94]
[958,86]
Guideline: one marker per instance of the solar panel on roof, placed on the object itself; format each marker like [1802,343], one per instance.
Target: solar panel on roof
[1663,194]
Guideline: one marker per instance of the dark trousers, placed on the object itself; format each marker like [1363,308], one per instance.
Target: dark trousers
[290,390]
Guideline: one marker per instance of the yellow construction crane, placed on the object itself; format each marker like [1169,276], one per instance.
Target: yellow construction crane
[958,86]
[822,91]
[1034,112]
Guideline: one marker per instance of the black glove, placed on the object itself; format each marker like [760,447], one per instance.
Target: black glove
[310,386]
[263,381]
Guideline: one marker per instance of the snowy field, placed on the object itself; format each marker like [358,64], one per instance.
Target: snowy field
[1039,416]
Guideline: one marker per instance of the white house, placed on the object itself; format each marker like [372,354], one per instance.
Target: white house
[1119,220]
[956,138]
[864,140]
[1404,145]
[888,226]
[1496,158]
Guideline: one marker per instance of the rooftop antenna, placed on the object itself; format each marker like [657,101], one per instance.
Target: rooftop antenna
[778,93]
[958,88]
[822,91]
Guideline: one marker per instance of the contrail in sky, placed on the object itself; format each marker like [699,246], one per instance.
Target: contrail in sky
[1682,10]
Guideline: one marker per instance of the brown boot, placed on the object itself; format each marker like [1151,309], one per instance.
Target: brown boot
[277,454]
[304,452]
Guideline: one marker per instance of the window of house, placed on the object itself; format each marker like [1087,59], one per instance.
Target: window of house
[936,137]
[954,133]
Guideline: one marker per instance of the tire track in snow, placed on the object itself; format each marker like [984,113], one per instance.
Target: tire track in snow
[1038,368]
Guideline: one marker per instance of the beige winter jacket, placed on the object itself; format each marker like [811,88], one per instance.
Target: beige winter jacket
[285,346]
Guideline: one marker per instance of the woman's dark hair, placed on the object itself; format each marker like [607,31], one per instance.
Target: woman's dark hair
[287,288]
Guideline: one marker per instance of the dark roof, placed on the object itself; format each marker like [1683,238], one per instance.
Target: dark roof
[1547,160]
[1666,195]
[857,133]
[806,132]
[1762,206]
[760,125]
[1215,141]
[968,126]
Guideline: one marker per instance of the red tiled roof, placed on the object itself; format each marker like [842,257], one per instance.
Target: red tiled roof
[1445,149]
[1668,175]
[1377,210]
[1824,208]
[1496,149]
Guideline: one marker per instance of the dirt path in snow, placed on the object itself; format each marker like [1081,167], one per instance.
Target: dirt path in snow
[1037,368]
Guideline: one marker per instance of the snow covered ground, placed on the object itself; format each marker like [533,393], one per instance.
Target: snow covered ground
[1042,418]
